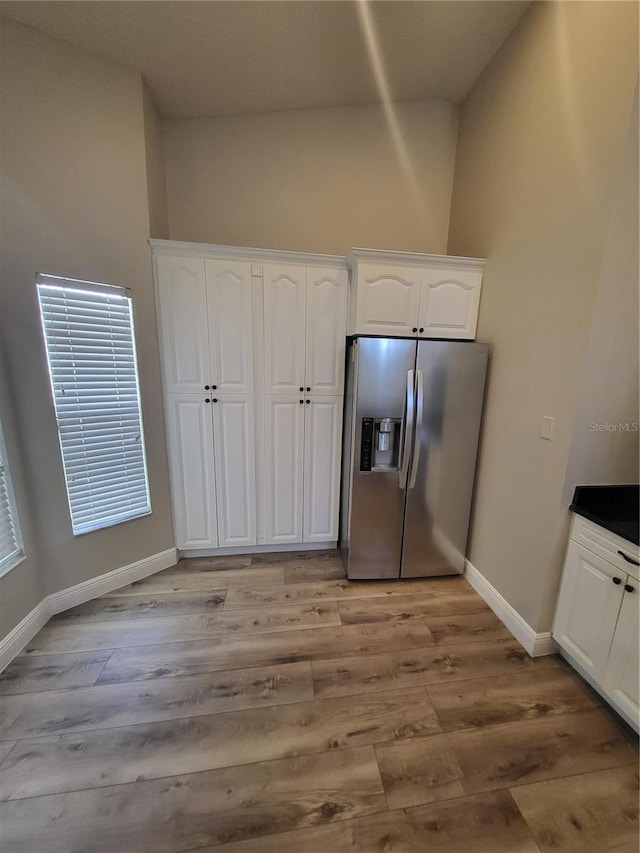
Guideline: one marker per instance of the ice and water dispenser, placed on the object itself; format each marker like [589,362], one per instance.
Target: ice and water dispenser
[380,445]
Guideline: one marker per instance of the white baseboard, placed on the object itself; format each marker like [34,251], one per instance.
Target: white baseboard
[17,639]
[257,549]
[24,632]
[536,644]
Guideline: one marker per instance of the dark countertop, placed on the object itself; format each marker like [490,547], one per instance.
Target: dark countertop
[616,508]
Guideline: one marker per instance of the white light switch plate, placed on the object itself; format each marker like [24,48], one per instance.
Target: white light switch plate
[546,430]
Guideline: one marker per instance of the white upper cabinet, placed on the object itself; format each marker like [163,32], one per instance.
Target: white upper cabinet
[284,328]
[182,306]
[322,445]
[413,295]
[387,300]
[235,469]
[229,306]
[326,328]
[449,302]
[192,471]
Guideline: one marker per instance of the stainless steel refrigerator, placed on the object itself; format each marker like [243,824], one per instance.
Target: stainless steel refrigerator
[411,427]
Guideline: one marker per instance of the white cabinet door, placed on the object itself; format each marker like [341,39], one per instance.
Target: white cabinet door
[191,468]
[387,300]
[283,452]
[449,301]
[621,674]
[588,606]
[184,335]
[229,304]
[322,445]
[326,330]
[235,469]
[284,328]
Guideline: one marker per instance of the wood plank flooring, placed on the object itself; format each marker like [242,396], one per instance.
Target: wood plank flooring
[257,704]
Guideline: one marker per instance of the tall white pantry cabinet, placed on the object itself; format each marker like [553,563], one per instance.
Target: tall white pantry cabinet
[252,348]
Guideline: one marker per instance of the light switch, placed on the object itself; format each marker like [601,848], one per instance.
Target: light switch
[546,430]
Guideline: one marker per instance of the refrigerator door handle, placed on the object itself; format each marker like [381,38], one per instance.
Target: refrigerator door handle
[418,428]
[409,417]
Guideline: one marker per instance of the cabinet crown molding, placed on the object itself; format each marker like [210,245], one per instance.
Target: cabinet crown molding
[242,253]
[384,256]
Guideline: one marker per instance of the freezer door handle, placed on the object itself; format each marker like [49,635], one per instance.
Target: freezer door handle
[418,427]
[409,416]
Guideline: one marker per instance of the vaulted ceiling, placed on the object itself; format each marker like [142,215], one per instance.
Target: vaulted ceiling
[228,58]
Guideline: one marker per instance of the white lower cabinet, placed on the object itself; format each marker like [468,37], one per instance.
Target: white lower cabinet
[302,438]
[283,454]
[322,446]
[596,621]
[233,442]
[588,608]
[621,674]
[212,467]
[192,471]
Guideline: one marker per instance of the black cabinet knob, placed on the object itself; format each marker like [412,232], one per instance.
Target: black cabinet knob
[415,329]
[628,587]
[308,388]
[617,581]
[206,387]
[302,388]
[421,329]
[308,401]
[207,400]
[301,401]
[215,399]
[214,387]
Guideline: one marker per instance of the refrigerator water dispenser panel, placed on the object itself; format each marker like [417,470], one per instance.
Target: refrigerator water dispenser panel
[380,444]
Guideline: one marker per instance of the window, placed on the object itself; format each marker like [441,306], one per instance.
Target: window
[11,552]
[89,336]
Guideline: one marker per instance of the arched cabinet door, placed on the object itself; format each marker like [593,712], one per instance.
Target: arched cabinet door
[284,328]
[184,332]
[387,300]
[449,301]
[326,330]
[229,304]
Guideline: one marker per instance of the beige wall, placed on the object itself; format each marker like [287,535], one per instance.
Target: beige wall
[609,384]
[156,176]
[541,134]
[318,180]
[74,203]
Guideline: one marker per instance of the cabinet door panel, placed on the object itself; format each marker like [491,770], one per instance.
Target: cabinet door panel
[284,328]
[621,674]
[326,330]
[322,445]
[283,444]
[191,468]
[235,470]
[588,607]
[184,335]
[229,301]
[387,300]
[449,301]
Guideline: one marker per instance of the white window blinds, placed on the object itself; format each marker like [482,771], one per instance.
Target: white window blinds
[10,540]
[90,342]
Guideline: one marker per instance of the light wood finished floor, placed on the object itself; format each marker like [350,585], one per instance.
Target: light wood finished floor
[266,705]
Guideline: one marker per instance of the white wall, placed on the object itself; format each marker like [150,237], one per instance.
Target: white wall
[318,180]
[74,203]
[541,135]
